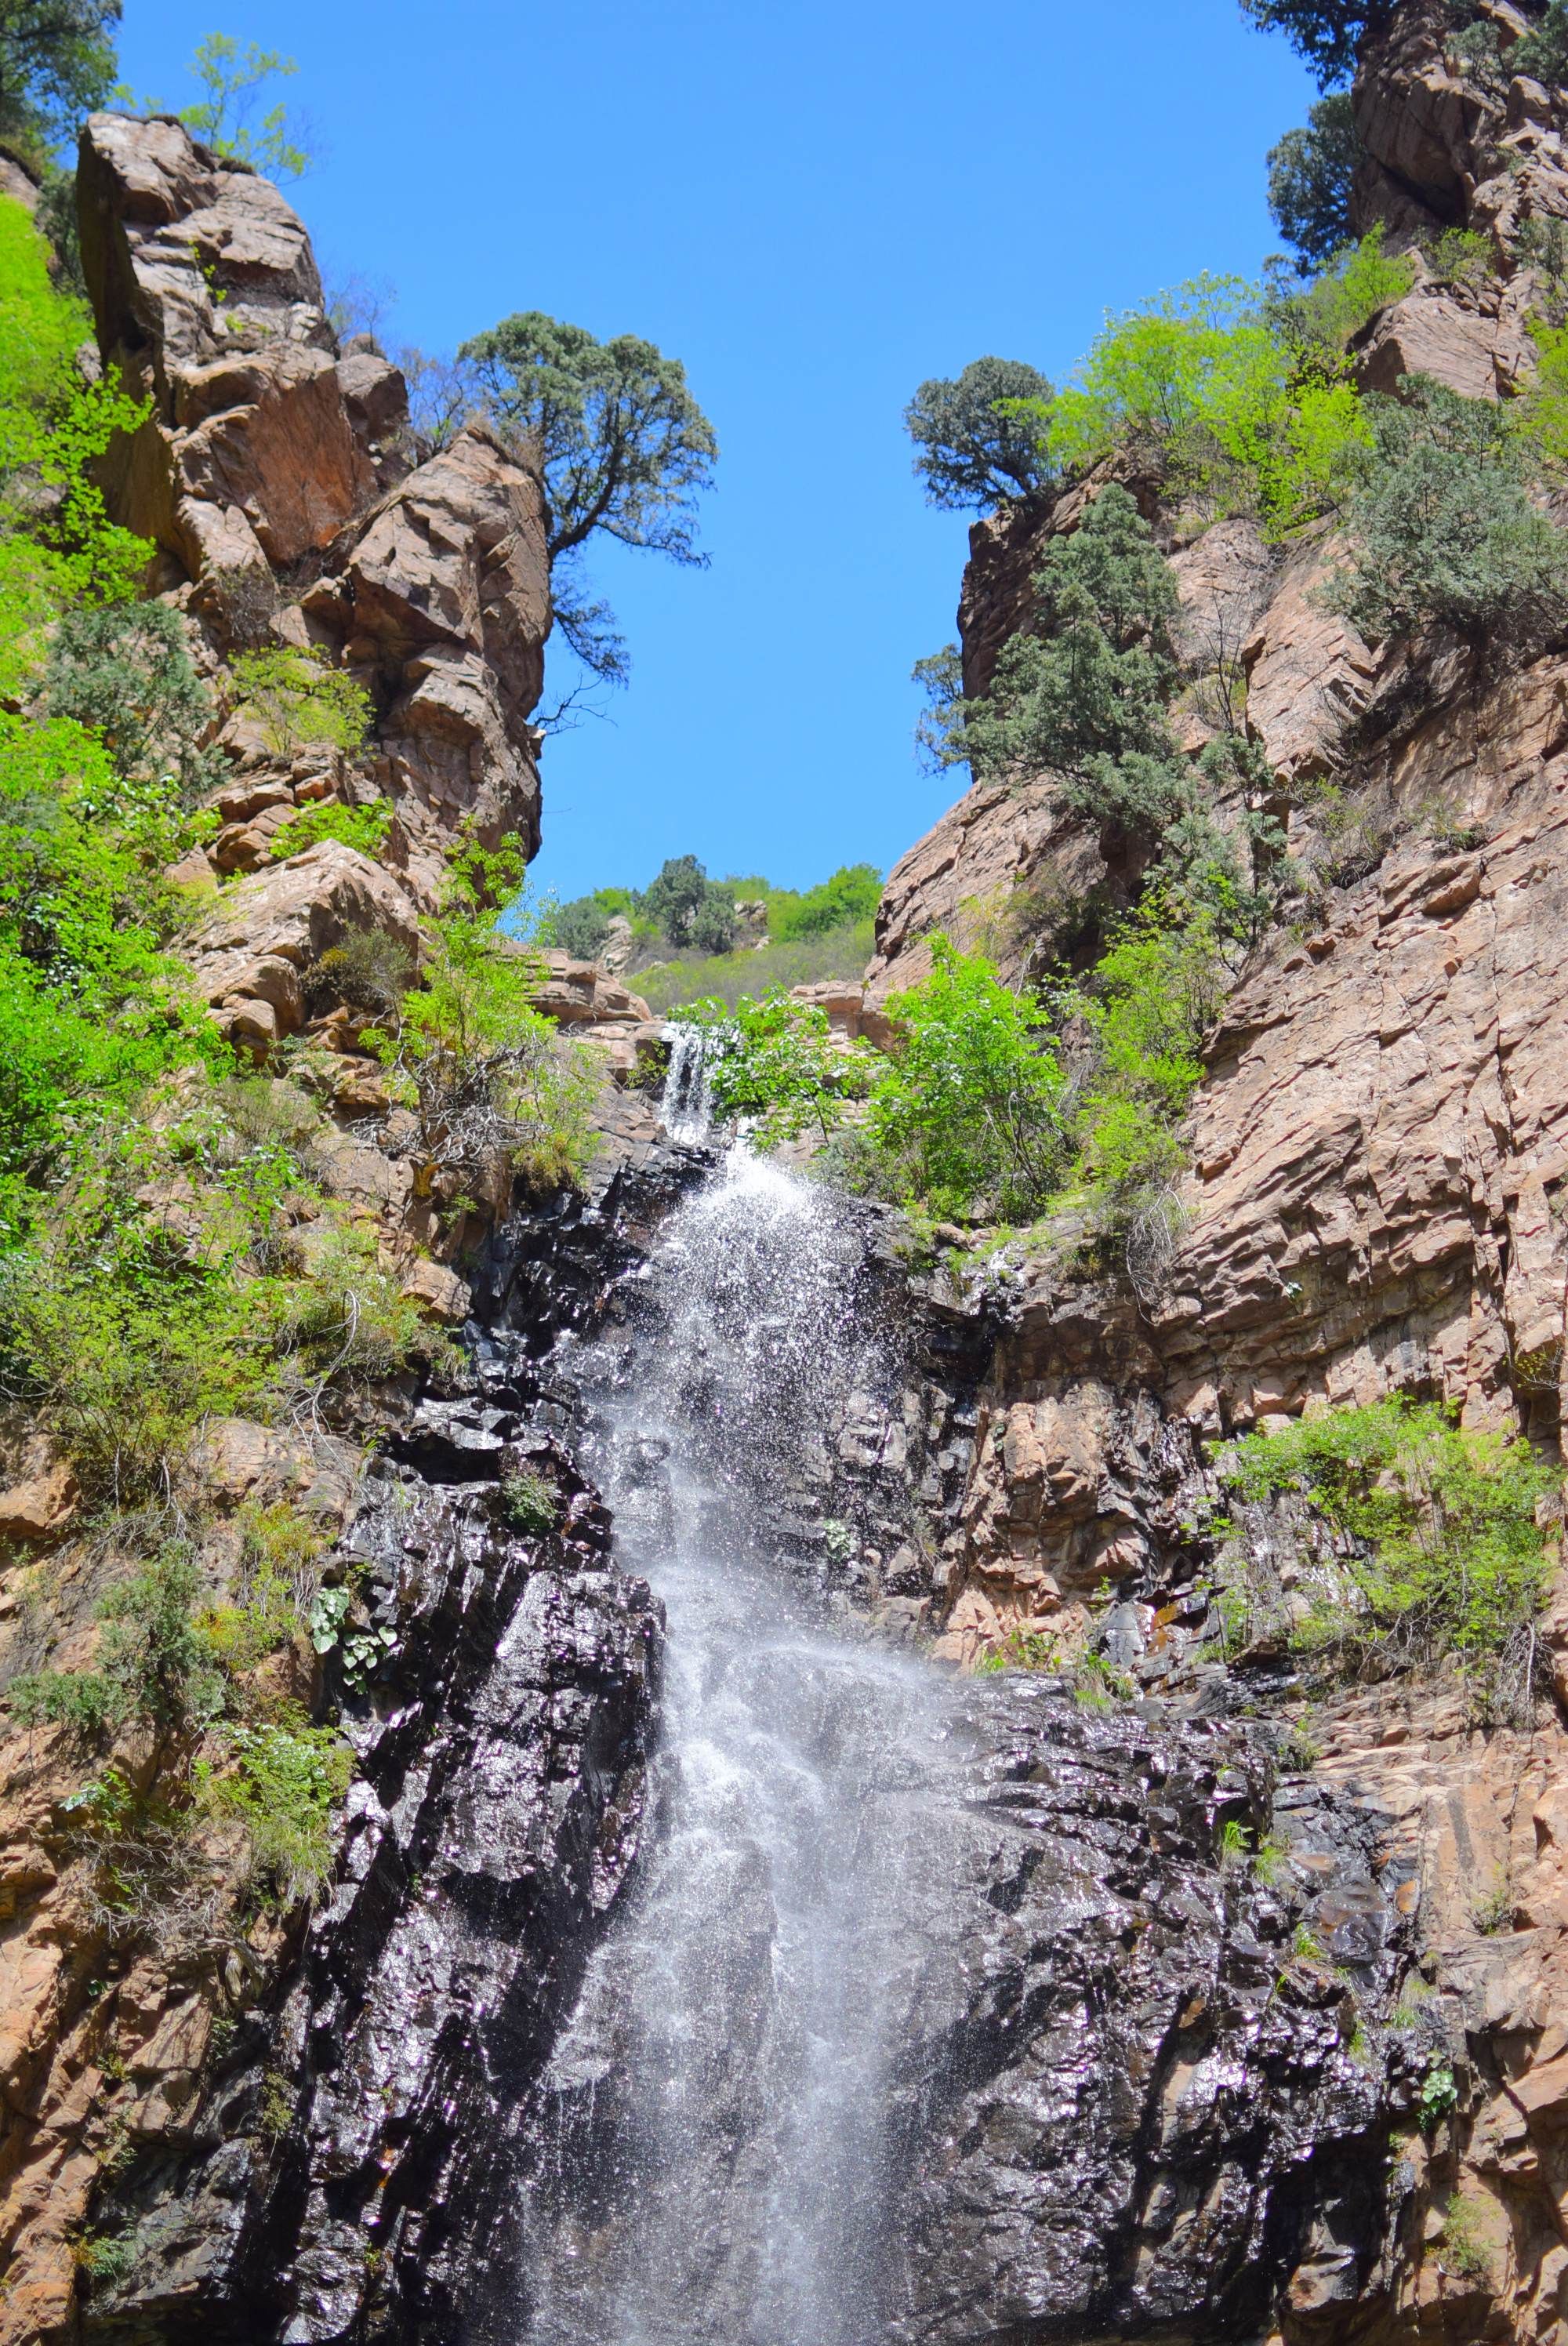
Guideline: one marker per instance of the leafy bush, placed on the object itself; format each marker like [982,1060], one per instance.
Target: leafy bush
[489,1076]
[228,117]
[776,1063]
[283,1783]
[1443,526]
[1543,51]
[973,1103]
[364,826]
[57,545]
[153,1663]
[1443,1556]
[845,898]
[1310,172]
[124,671]
[1093,685]
[1464,2250]
[1460,257]
[299,702]
[370,971]
[974,447]
[530,1501]
[624,448]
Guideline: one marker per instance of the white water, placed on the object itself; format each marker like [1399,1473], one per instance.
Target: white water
[720,2121]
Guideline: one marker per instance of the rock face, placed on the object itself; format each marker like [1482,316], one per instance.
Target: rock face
[283,484]
[1374,1205]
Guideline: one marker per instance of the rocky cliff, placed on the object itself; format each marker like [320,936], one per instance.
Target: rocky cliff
[1162,2091]
[1373,1204]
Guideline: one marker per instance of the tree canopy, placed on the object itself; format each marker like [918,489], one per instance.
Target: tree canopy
[973,449]
[1327,32]
[624,446]
[57,64]
[1310,172]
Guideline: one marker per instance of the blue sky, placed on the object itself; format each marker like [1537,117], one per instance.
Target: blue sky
[814,205]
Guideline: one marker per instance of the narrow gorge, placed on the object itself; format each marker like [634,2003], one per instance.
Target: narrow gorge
[623,1731]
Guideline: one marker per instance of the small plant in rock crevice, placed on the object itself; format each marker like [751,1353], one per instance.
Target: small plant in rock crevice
[530,1501]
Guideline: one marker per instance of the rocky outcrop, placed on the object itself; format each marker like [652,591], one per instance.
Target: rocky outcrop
[280,481]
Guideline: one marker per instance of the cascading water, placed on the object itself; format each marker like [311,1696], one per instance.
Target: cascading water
[715,2135]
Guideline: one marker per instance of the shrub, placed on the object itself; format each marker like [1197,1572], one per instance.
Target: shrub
[1464,2250]
[1094,683]
[972,1106]
[299,702]
[1311,173]
[580,927]
[975,446]
[489,1076]
[1443,526]
[776,1063]
[1444,1555]
[154,1664]
[1319,320]
[124,671]
[938,728]
[1543,51]
[530,1501]
[365,827]
[1460,257]
[845,898]
[282,1784]
[370,971]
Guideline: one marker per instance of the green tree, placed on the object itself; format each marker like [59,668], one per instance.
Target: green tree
[57,64]
[1542,52]
[228,118]
[1311,174]
[1328,34]
[625,451]
[125,671]
[849,894]
[973,1104]
[1086,698]
[974,447]
[1443,526]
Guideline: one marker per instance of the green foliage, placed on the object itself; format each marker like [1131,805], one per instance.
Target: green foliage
[1091,688]
[57,545]
[938,728]
[1327,32]
[1443,1553]
[530,1501]
[370,971]
[124,671]
[362,827]
[1543,51]
[847,896]
[57,65]
[689,907]
[1464,2250]
[757,971]
[299,702]
[228,118]
[972,1104]
[282,1784]
[154,1665]
[976,446]
[1310,172]
[1494,1911]
[1460,256]
[581,926]
[1437,2098]
[625,451]
[1020,1650]
[1443,526]
[1316,321]
[106,2257]
[489,1076]
[775,1063]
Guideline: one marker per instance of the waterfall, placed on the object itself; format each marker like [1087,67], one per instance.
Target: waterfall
[716,2136]
[685,1105]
